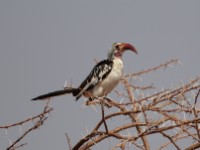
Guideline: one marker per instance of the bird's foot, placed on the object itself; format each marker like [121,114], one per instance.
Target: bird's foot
[107,98]
[94,100]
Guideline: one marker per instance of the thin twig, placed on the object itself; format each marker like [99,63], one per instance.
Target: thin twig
[19,146]
[26,120]
[164,65]
[196,97]
[171,140]
[103,115]
[40,121]
[37,125]
[68,141]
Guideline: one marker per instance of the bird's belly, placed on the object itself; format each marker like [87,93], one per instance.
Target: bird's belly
[109,83]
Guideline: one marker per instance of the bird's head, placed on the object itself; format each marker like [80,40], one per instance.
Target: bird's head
[118,49]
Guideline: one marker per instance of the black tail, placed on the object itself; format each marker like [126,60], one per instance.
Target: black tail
[55,93]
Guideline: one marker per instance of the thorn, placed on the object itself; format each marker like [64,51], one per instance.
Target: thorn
[94,108]
[182,83]
[20,129]
[184,117]
[121,101]
[180,62]
[6,132]
[71,83]
[87,131]
[65,85]
[193,94]
[10,142]
[83,107]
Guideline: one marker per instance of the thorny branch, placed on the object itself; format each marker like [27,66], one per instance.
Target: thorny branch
[172,114]
[164,65]
[168,113]
[46,111]
[39,121]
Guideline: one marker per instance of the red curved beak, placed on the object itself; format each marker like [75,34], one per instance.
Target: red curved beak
[127,46]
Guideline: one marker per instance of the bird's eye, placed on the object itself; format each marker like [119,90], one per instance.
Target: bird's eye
[117,47]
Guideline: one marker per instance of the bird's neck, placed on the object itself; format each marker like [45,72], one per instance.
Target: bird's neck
[115,57]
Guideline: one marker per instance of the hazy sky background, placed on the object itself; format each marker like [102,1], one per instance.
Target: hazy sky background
[45,42]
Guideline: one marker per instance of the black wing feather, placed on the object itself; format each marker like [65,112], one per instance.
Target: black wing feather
[100,71]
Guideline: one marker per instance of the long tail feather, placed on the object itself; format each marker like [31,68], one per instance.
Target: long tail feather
[55,93]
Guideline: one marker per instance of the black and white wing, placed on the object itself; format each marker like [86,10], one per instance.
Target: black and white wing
[100,71]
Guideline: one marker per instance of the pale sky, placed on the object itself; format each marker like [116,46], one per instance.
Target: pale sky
[43,43]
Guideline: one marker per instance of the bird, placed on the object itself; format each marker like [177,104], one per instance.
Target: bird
[102,79]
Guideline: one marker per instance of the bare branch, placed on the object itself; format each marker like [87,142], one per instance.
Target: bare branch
[40,119]
[172,113]
[68,141]
[164,65]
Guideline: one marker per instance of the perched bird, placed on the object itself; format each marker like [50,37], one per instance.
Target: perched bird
[103,78]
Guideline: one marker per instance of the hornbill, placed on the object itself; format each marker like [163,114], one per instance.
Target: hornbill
[103,78]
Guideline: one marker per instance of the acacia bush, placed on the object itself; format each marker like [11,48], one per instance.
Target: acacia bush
[171,113]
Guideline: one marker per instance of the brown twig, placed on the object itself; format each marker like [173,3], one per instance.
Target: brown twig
[164,65]
[68,141]
[26,120]
[134,116]
[40,121]
[167,104]
[197,97]
[170,139]
[193,146]
[19,146]
[103,115]
[37,125]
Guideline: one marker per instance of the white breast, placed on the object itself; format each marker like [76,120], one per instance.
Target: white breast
[109,83]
